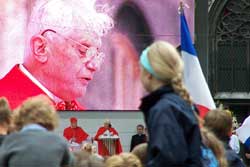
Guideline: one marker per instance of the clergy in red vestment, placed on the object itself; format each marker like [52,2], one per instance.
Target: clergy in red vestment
[102,131]
[19,84]
[74,133]
[61,54]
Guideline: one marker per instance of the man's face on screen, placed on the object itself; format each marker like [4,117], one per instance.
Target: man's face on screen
[74,60]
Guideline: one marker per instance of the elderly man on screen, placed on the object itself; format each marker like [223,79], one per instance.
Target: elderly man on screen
[61,54]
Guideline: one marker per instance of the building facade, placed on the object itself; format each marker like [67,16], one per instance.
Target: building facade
[227,62]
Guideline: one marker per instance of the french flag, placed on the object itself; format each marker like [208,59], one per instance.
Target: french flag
[243,132]
[193,77]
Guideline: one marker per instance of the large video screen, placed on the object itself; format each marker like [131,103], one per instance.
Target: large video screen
[115,85]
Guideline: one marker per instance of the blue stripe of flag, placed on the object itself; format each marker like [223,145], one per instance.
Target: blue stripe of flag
[186,41]
[247,143]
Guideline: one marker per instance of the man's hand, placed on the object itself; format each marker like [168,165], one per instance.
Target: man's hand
[72,140]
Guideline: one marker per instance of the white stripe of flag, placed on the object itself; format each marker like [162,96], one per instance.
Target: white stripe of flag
[193,77]
[243,132]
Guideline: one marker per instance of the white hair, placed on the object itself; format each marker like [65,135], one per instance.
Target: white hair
[66,15]
[107,121]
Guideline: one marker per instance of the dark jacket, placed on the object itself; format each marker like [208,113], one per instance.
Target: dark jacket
[1,138]
[243,151]
[174,135]
[34,148]
[137,139]
[232,158]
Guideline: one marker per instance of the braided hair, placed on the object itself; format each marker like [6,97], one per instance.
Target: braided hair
[168,66]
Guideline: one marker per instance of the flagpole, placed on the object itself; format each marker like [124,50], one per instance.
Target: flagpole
[181,7]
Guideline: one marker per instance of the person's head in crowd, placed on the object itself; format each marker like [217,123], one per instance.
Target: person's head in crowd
[140,129]
[107,124]
[141,152]
[5,116]
[235,124]
[73,122]
[63,45]
[212,142]
[161,65]
[123,160]
[219,121]
[36,110]
[84,159]
[87,147]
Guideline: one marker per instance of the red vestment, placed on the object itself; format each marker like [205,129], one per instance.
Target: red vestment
[78,133]
[102,149]
[17,87]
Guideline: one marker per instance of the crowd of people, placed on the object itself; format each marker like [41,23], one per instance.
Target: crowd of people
[177,135]
[27,139]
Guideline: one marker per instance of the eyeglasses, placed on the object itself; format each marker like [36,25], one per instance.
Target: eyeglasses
[90,55]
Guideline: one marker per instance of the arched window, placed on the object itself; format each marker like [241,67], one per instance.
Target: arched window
[230,47]
[229,54]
